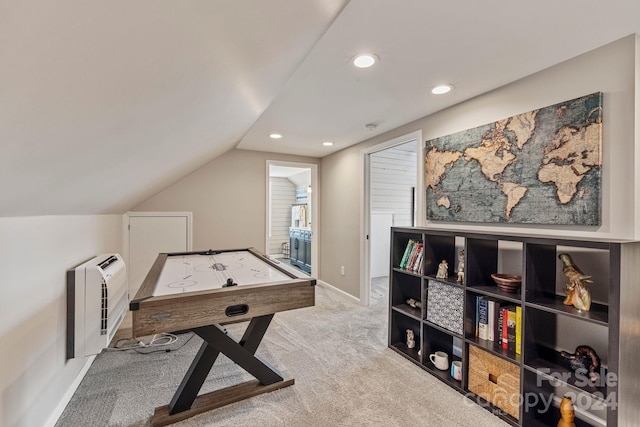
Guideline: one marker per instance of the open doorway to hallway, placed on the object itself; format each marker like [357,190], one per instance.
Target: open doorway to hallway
[291,210]
[391,194]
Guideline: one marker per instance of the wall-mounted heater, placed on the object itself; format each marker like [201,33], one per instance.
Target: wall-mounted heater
[96,304]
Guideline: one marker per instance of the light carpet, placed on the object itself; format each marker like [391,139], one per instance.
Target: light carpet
[345,375]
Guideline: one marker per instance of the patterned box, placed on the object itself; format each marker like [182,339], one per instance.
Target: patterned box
[445,306]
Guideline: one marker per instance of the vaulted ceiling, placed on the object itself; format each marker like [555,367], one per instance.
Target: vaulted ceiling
[104,103]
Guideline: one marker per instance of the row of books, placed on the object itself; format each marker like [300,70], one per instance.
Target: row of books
[500,322]
[412,257]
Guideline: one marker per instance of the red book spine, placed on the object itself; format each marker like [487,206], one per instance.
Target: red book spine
[505,335]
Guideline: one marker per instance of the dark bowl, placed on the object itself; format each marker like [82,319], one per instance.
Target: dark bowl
[507,282]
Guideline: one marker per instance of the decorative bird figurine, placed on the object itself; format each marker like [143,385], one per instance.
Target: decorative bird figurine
[584,359]
[577,291]
[567,413]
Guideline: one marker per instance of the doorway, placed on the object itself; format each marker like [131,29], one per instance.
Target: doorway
[146,234]
[291,215]
[391,198]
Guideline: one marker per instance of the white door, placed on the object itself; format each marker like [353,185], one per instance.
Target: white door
[381,223]
[150,234]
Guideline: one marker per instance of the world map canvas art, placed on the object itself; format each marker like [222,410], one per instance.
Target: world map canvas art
[539,167]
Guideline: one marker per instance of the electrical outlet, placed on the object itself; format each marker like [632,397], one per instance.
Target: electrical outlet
[342,270]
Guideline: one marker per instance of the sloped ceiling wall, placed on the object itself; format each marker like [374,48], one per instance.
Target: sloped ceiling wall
[103,104]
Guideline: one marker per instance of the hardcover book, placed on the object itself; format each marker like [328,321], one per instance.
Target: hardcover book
[483,318]
[518,329]
[511,328]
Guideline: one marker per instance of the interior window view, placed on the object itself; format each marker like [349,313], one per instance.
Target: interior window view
[320,213]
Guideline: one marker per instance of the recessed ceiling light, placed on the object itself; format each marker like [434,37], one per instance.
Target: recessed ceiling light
[439,90]
[365,60]
[327,143]
[275,136]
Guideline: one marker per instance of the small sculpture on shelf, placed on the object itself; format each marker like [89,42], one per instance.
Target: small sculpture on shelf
[411,340]
[461,266]
[443,268]
[584,359]
[567,413]
[577,291]
[413,303]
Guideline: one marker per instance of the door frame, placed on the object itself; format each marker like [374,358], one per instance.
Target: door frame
[314,207]
[365,203]
[126,227]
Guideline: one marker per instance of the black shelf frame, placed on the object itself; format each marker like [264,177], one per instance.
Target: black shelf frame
[540,292]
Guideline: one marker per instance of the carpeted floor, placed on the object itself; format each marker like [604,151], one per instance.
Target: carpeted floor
[337,352]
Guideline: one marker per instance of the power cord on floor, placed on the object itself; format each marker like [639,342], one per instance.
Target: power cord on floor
[158,340]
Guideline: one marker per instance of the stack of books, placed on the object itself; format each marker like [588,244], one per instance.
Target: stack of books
[499,322]
[412,257]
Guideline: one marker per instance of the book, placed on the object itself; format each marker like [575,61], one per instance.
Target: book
[477,314]
[511,328]
[499,326]
[483,319]
[418,262]
[494,318]
[491,306]
[505,327]
[414,256]
[518,329]
[406,253]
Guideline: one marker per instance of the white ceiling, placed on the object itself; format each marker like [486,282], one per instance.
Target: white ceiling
[104,103]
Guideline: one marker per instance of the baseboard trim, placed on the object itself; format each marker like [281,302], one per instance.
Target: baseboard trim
[339,291]
[57,412]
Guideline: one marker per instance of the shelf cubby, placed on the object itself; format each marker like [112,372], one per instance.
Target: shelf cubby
[541,400]
[404,287]
[399,244]
[398,334]
[437,339]
[436,249]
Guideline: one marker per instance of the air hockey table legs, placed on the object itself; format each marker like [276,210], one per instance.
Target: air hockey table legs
[186,402]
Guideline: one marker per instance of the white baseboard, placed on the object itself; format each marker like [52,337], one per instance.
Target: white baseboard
[339,291]
[53,418]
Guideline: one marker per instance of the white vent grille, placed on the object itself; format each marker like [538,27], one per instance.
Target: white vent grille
[105,308]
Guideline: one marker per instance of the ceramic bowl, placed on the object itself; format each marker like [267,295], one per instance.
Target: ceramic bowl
[507,282]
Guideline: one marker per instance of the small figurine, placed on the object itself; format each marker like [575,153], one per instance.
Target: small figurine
[411,341]
[443,270]
[578,293]
[461,266]
[567,413]
[586,359]
[414,303]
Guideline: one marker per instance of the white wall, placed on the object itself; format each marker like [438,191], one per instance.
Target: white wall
[283,195]
[227,197]
[611,69]
[35,253]
[393,173]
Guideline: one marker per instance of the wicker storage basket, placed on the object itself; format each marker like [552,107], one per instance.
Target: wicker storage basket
[495,380]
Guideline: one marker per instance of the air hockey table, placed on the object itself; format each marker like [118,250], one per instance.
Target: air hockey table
[201,292]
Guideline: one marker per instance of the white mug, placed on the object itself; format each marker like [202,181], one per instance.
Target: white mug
[440,359]
[456,370]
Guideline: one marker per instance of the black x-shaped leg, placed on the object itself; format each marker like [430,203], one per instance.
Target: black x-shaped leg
[216,341]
